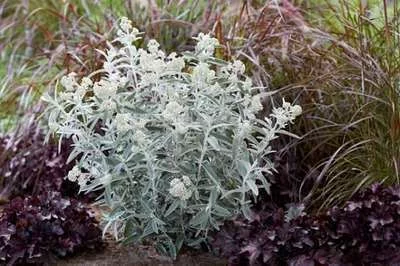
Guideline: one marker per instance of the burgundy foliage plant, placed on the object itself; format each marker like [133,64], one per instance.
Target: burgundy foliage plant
[30,166]
[39,228]
[366,231]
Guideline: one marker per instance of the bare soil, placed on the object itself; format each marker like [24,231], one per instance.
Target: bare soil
[119,255]
[137,255]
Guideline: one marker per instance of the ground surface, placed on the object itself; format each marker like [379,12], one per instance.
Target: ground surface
[118,255]
[127,256]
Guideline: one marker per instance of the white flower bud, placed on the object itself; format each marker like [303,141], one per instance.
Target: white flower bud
[172,111]
[186,180]
[296,110]
[238,67]
[180,128]
[104,89]
[148,79]
[179,190]
[256,104]
[86,82]
[74,173]
[176,64]
[282,116]
[205,46]
[69,82]
[66,96]
[83,179]
[127,34]
[125,24]
[247,85]
[140,137]
[122,122]
[153,46]
[174,182]
[108,105]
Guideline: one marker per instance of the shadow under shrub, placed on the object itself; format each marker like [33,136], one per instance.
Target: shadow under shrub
[38,228]
[364,232]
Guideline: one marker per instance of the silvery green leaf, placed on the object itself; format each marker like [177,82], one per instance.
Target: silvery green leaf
[172,208]
[130,230]
[266,185]
[243,167]
[230,192]
[168,248]
[214,224]
[154,226]
[196,242]
[294,211]
[285,132]
[214,143]
[213,197]
[247,213]
[200,218]
[212,175]
[179,241]
[142,216]
[252,185]
[220,211]
[149,229]
[74,153]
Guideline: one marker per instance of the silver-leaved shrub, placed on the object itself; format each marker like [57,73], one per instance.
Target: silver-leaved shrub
[174,141]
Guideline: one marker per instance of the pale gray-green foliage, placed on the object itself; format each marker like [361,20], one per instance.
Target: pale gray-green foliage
[294,211]
[174,141]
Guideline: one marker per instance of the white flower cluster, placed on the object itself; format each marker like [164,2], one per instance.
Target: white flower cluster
[205,46]
[172,111]
[127,34]
[233,70]
[122,122]
[69,81]
[286,114]
[152,117]
[75,175]
[180,188]
[105,89]
[73,90]
[202,75]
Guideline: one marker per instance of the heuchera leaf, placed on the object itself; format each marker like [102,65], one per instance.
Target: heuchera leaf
[31,167]
[34,228]
[366,231]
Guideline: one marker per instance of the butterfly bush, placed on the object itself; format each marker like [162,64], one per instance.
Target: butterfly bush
[175,141]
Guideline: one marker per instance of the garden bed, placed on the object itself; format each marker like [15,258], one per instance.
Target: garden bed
[200,132]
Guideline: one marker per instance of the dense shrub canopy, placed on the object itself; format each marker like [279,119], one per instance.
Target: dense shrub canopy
[174,140]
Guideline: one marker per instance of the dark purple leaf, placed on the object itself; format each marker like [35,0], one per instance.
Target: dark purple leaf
[36,227]
[366,231]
